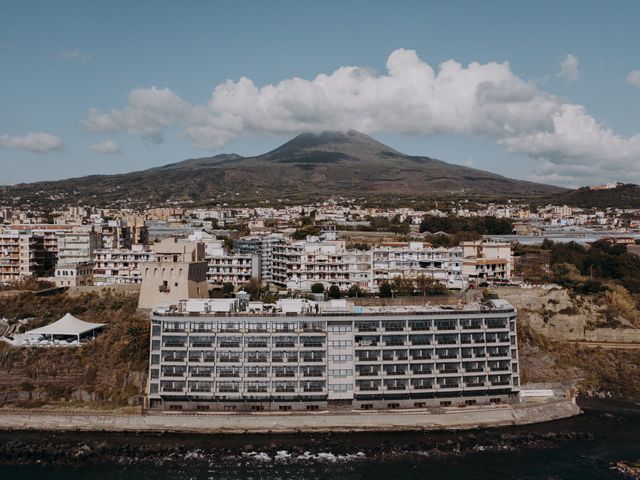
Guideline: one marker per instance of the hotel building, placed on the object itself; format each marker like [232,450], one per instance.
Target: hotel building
[230,354]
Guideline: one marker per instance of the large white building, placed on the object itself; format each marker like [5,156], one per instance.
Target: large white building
[224,267]
[262,247]
[76,247]
[298,265]
[120,266]
[224,354]
[411,259]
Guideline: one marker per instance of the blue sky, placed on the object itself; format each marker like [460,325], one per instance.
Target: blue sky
[105,87]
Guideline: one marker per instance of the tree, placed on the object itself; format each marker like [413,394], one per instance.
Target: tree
[227,288]
[334,292]
[354,291]
[402,286]
[317,288]
[302,233]
[385,290]
[254,288]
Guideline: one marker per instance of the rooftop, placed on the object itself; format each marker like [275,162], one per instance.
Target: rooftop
[303,307]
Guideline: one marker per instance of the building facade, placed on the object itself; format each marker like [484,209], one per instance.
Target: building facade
[78,275]
[178,271]
[261,246]
[411,259]
[120,266]
[487,261]
[77,247]
[225,355]
[21,254]
[298,265]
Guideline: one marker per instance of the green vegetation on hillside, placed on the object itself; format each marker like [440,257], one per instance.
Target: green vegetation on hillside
[603,261]
[110,371]
[624,196]
[477,225]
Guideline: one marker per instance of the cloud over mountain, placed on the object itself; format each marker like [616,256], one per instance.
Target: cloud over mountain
[411,97]
[108,146]
[35,142]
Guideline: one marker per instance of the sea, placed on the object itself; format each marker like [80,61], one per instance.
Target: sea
[580,448]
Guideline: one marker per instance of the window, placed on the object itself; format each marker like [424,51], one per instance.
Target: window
[340,358]
[341,373]
[340,328]
[340,343]
[338,387]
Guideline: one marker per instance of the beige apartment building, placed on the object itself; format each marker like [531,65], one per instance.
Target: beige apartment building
[21,254]
[487,261]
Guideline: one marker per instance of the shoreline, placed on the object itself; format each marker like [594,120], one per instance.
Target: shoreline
[295,422]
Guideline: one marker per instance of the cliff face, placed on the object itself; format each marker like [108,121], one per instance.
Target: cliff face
[561,316]
[568,341]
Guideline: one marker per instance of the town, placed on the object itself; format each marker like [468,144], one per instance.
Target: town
[335,245]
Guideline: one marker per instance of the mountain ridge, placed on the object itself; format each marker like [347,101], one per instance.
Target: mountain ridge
[311,166]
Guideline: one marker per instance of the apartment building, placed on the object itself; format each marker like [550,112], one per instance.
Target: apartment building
[50,233]
[262,247]
[116,235]
[113,267]
[224,267]
[487,261]
[225,354]
[78,275]
[298,265]
[21,254]
[412,259]
[77,246]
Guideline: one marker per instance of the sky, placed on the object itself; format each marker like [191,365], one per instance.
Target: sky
[545,91]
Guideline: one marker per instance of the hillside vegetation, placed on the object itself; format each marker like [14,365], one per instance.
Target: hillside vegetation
[624,196]
[108,372]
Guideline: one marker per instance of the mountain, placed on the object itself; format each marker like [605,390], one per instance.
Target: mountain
[623,196]
[310,167]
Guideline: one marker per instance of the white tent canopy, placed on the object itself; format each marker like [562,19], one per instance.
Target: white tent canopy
[67,325]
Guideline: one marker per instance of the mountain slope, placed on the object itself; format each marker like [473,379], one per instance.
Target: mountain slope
[624,196]
[309,167]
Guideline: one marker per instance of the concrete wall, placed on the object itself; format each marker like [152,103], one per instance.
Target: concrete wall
[437,419]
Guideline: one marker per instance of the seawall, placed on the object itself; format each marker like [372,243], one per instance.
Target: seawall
[323,421]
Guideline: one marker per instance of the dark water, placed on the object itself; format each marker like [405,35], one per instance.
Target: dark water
[579,448]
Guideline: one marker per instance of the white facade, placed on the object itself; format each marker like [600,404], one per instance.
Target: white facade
[77,247]
[212,354]
[120,266]
[298,265]
[412,259]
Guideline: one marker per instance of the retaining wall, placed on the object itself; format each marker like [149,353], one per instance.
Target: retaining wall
[323,421]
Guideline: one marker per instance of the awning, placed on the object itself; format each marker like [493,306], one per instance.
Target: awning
[67,325]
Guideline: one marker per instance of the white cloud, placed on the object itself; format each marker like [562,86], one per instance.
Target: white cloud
[412,97]
[634,78]
[74,56]
[108,146]
[569,68]
[34,142]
